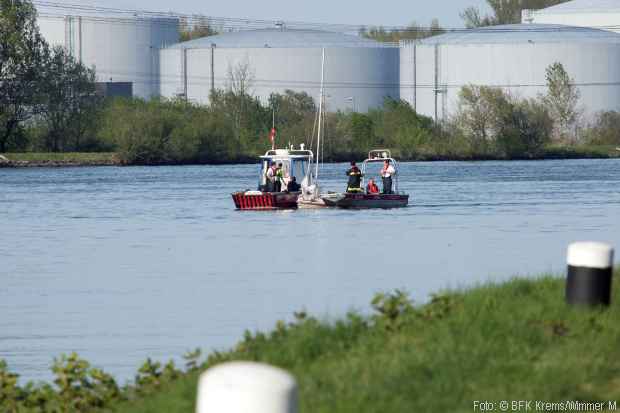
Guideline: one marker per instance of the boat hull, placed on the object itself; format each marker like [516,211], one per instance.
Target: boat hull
[366,201]
[260,201]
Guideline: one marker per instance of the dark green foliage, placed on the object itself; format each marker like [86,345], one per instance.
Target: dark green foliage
[70,103]
[22,56]
[47,98]
[496,123]
[362,133]
[236,128]
[391,309]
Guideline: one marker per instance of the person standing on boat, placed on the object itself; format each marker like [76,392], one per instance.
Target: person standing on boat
[355,178]
[386,175]
[271,177]
[279,178]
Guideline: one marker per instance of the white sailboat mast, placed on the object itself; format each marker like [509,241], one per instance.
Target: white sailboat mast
[318,143]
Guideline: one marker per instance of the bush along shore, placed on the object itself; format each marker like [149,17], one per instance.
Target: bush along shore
[516,340]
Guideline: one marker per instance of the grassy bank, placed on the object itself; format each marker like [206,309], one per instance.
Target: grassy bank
[515,341]
[25,159]
[60,158]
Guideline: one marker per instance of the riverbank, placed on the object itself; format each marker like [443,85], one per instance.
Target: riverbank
[55,159]
[73,159]
[516,340]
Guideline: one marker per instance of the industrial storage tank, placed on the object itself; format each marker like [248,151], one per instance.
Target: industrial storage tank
[359,73]
[123,50]
[598,14]
[513,57]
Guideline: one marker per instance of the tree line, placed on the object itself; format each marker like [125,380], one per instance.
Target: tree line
[49,102]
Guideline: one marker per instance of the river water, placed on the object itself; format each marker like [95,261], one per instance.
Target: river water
[121,264]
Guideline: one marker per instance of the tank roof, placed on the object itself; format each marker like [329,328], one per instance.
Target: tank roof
[581,6]
[524,33]
[278,38]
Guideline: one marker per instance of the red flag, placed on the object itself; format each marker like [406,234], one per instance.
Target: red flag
[272,135]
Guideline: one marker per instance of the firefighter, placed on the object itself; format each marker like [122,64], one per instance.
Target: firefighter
[355,178]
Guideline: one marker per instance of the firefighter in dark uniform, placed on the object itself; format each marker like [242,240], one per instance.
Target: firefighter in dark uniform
[355,179]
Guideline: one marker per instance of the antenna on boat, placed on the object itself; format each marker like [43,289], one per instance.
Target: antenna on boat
[272,134]
[318,143]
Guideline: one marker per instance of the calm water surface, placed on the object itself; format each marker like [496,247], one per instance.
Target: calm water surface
[121,264]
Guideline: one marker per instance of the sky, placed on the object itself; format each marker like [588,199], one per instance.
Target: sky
[369,12]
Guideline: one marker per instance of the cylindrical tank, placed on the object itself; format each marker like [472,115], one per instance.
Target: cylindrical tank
[359,73]
[513,57]
[597,14]
[121,49]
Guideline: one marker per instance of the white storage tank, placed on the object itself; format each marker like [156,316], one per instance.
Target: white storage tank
[513,57]
[597,14]
[123,50]
[359,73]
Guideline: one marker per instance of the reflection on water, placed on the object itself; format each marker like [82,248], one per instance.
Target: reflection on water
[123,263]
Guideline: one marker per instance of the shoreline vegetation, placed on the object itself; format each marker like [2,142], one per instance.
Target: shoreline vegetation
[52,105]
[83,159]
[512,340]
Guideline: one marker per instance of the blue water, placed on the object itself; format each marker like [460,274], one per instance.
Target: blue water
[121,264]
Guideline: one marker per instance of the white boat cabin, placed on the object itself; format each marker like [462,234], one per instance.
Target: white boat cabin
[295,162]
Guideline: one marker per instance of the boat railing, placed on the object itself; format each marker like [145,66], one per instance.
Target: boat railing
[380,154]
[290,152]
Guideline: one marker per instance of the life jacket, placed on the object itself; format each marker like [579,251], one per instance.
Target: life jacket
[373,188]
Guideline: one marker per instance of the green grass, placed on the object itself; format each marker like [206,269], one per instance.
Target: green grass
[516,341]
[64,157]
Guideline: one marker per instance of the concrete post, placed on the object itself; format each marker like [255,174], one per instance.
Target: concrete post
[245,387]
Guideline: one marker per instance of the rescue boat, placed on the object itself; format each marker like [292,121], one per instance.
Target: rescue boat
[362,200]
[295,163]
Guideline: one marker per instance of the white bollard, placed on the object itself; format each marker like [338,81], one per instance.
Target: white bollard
[246,387]
[590,270]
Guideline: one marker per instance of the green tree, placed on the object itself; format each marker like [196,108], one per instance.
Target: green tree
[606,129]
[362,132]
[479,107]
[399,127]
[70,100]
[497,124]
[504,12]
[295,114]
[291,107]
[413,31]
[524,128]
[562,100]
[22,53]
[200,27]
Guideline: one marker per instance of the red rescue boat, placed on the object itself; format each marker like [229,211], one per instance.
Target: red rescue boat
[295,163]
[257,200]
